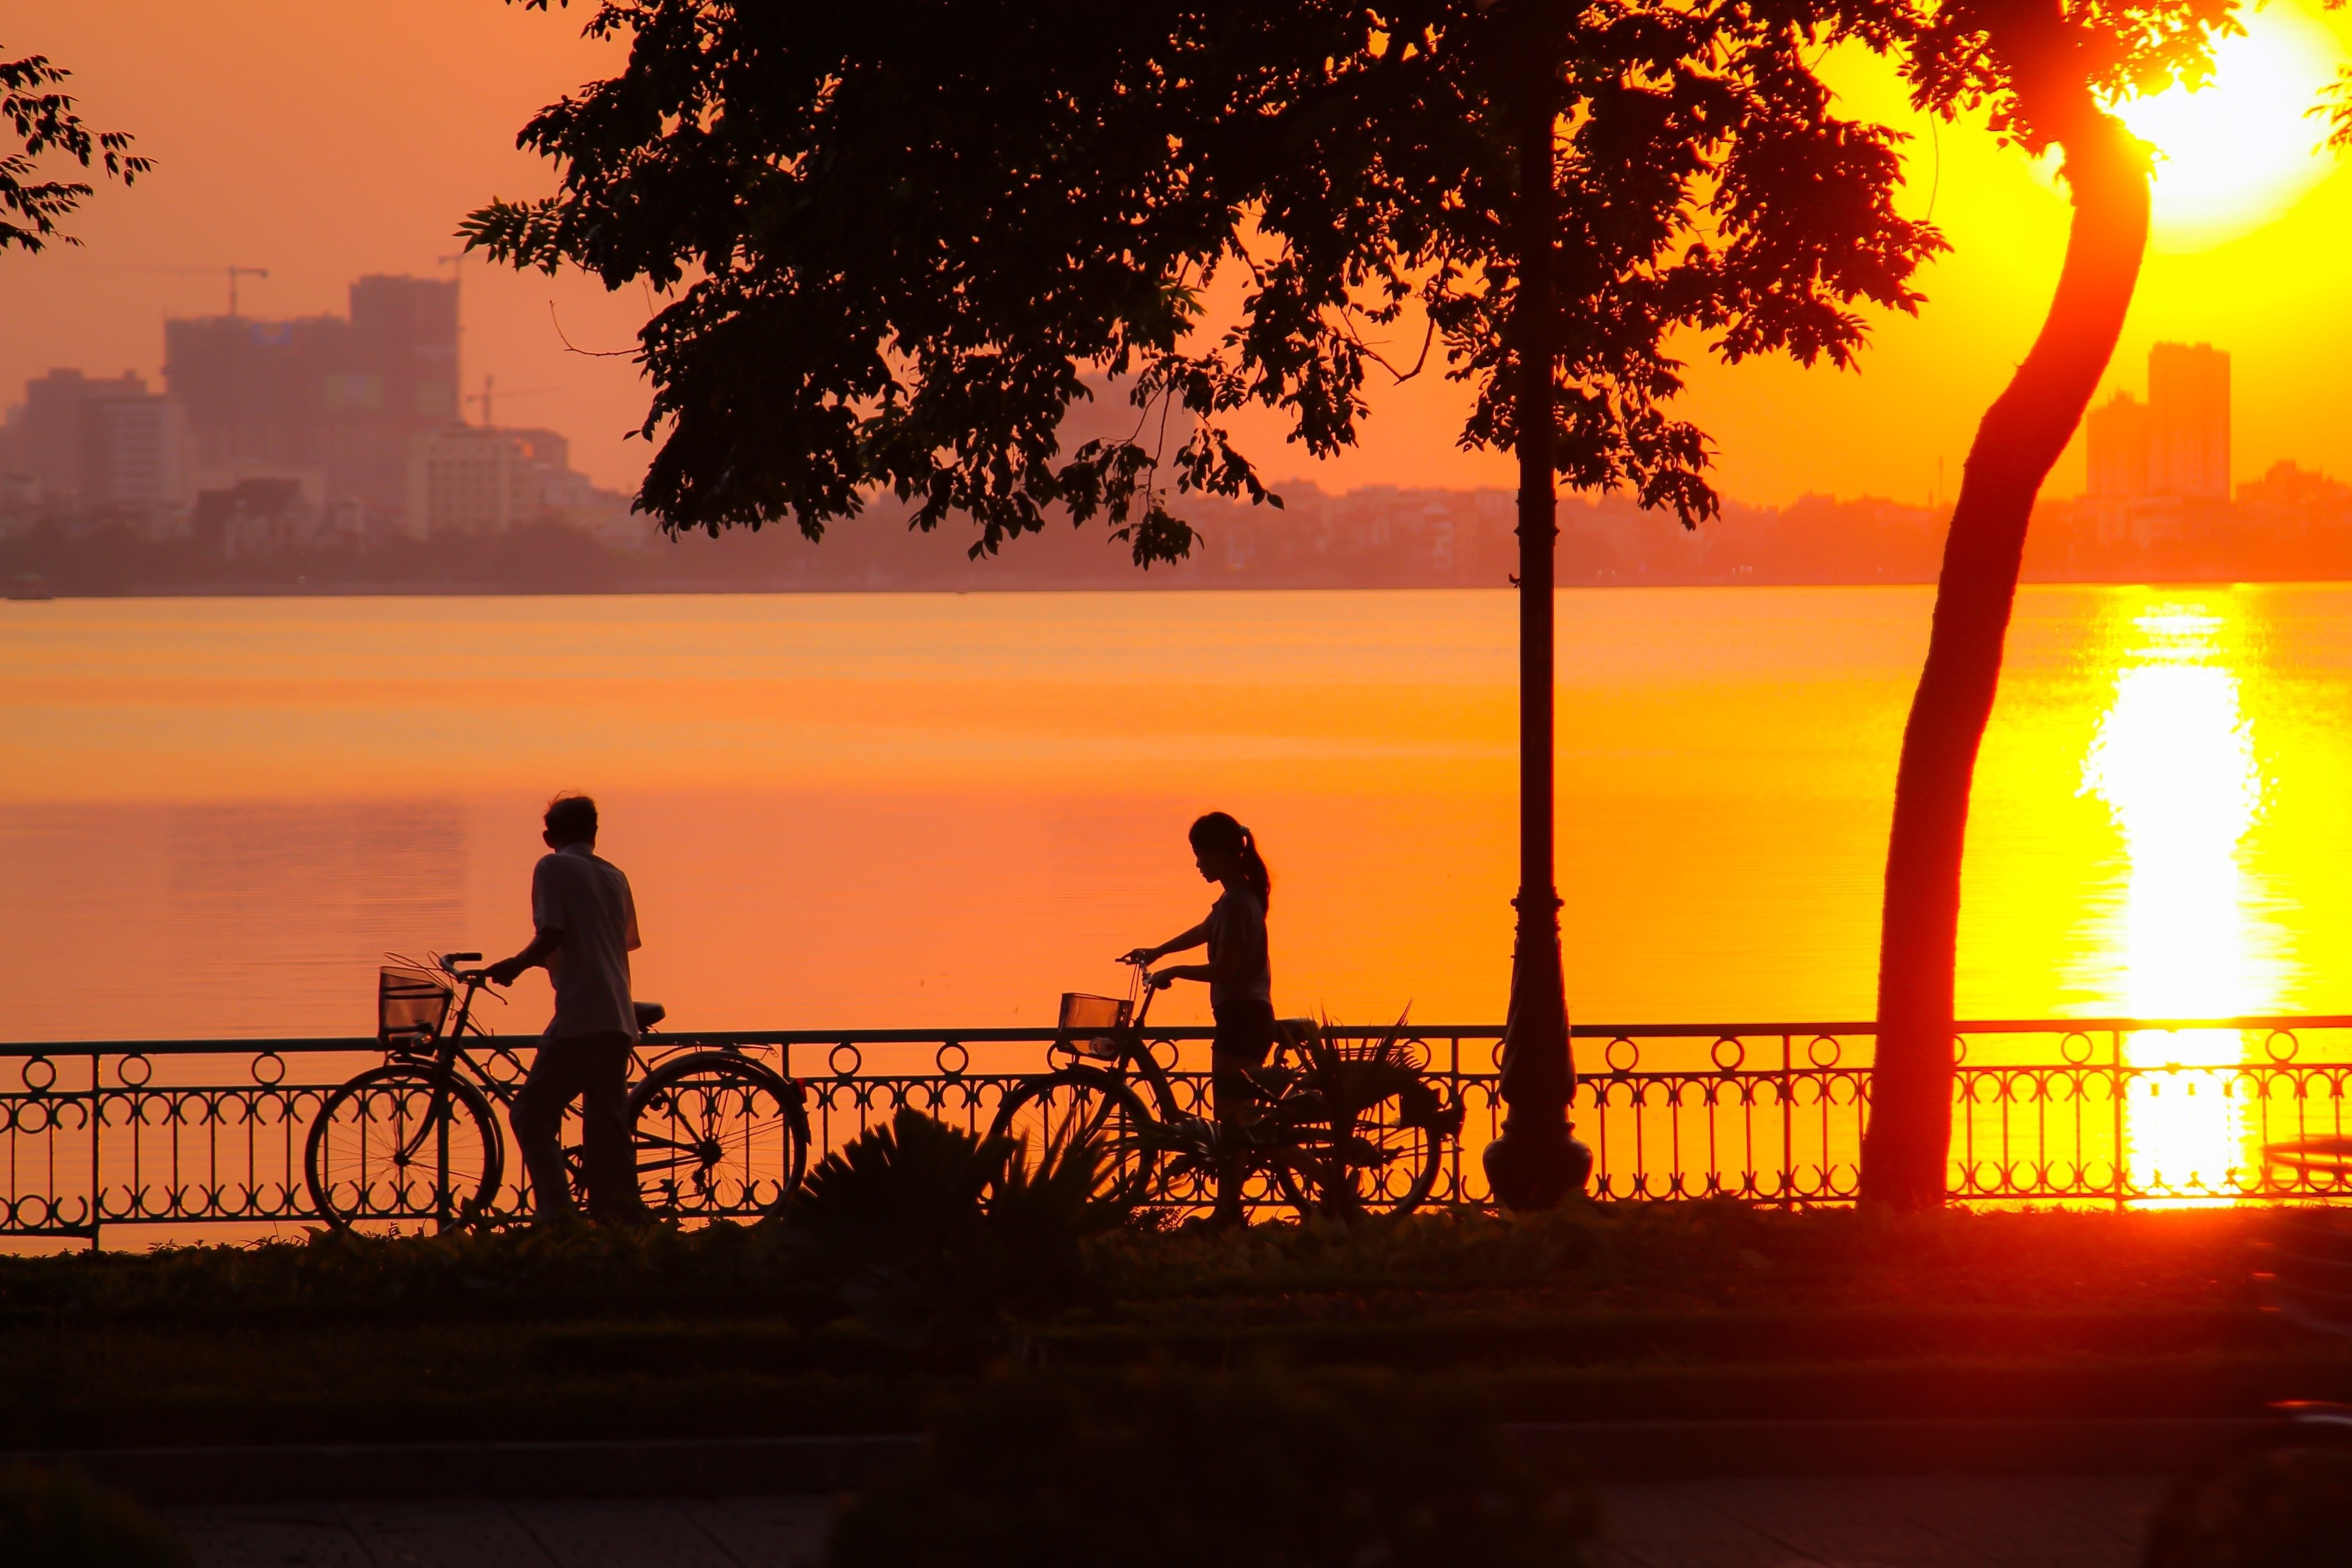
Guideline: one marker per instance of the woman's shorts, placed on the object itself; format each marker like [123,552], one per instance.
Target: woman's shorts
[1245,1032]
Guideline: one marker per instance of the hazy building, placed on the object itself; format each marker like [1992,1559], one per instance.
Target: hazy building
[251,518]
[255,391]
[133,455]
[476,479]
[335,399]
[2116,434]
[400,379]
[467,479]
[46,429]
[2189,420]
[2177,444]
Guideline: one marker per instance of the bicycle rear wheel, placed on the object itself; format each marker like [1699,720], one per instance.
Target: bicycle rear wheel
[405,1141]
[1381,1158]
[1056,1109]
[718,1137]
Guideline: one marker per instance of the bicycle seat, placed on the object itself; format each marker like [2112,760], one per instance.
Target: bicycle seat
[650,1014]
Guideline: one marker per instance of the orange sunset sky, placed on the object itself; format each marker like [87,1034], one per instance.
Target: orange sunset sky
[323,138]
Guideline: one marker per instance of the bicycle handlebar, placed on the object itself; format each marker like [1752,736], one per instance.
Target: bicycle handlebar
[1141,982]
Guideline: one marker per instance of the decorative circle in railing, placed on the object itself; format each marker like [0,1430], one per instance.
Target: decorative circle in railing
[1622,1055]
[856,1059]
[1960,1050]
[270,1069]
[39,1073]
[1736,1050]
[2076,1048]
[952,1066]
[1494,1056]
[2276,1052]
[1164,1051]
[142,1066]
[1825,1050]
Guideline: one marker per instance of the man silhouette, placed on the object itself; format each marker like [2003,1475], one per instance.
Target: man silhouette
[586,926]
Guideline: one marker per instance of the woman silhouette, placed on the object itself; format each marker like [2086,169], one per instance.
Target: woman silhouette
[1240,981]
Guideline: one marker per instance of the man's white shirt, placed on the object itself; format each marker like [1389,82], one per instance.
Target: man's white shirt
[588,899]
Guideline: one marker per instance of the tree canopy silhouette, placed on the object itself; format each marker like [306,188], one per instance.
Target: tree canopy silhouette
[2045,71]
[44,120]
[904,234]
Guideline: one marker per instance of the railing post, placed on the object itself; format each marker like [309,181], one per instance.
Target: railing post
[2115,1049]
[96,1160]
[1454,1090]
[1788,1133]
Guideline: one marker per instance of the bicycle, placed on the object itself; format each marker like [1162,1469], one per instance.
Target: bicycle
[716,1133]
[1333,1129]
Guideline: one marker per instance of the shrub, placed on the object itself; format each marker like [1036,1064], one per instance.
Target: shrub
[936,1239]
[58,1519]
[1157,1471]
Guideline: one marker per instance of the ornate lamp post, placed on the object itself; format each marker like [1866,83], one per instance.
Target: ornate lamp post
[1536,1162]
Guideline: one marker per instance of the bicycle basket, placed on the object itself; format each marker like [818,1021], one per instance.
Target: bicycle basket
[1085,1019]
[411,1008]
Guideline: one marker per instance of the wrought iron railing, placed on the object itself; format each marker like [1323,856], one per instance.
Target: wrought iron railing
[182,1134]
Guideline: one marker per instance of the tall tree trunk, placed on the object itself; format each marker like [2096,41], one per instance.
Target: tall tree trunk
[1909,1142]
[1535,1163]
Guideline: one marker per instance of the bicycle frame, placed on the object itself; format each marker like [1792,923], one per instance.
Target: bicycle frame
[449,1051]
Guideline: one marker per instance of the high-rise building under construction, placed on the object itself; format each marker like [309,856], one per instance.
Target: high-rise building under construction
[333,400]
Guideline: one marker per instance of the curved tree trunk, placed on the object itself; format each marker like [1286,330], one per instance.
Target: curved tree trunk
[1909,1142]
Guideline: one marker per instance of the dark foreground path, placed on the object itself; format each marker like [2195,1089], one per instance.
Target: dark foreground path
[1908,1521]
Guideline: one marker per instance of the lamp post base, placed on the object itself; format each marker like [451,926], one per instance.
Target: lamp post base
[1536,1163]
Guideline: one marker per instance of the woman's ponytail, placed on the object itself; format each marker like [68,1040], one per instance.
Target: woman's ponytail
[1220,830]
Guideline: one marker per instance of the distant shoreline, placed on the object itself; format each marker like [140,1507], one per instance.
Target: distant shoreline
[714,589]
[2290,527]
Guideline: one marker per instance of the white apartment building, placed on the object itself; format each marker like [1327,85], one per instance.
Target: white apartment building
[470,479]
[134,454]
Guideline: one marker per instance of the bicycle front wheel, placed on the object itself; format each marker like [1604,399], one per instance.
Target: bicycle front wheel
[403,1142]
[718,1137]
[1057,1110]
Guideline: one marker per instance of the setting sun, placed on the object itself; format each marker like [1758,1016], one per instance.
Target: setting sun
[2237,153]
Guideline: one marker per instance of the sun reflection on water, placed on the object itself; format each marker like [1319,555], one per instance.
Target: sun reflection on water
[2174,759]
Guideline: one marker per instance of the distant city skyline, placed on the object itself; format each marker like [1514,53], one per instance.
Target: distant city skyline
[273,435]
[363,415]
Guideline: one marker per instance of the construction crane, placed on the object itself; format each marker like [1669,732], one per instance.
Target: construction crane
[237,272]
[483,397]
[234,274]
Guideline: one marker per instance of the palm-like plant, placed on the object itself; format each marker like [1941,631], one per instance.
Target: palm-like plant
[1360,1105]
[936,1240]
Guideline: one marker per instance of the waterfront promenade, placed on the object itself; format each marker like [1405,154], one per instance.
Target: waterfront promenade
[131,1142]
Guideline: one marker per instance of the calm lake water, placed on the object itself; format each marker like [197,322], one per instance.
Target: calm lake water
[932,810]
